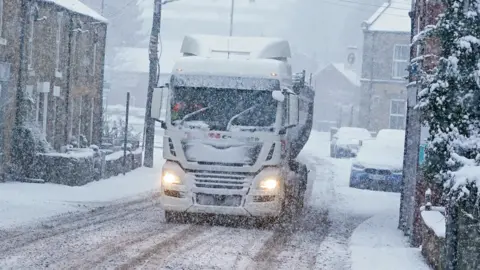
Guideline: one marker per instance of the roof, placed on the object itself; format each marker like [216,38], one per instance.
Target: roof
[131,59]
[350,75]
[78,7]
[259,68]
[248,47]
[391,17]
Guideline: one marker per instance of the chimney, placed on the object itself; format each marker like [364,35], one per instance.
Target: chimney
[351,58]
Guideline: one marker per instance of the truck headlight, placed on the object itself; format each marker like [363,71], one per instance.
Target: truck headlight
[169,178]
[269,183]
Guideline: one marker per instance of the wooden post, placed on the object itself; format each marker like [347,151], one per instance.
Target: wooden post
[125,136]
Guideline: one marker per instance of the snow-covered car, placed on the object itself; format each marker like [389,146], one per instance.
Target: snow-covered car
[346,142]
[387,135]
[378,165]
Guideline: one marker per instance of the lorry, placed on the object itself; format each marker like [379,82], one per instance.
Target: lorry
[235,119]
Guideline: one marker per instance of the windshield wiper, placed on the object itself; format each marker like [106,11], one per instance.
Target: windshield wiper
[229,125]
[192,114]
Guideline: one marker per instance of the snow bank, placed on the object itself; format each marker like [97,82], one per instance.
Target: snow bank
[377,244]
[77,153]
[435,221]
[22,203]
[318,144]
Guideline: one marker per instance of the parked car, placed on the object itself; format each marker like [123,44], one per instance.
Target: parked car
[347,140]
[379,165]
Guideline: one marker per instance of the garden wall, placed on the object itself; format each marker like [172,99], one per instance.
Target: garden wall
[80,168]
[433,238]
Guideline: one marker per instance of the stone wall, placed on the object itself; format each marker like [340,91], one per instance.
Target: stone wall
[80,169]
[433,247]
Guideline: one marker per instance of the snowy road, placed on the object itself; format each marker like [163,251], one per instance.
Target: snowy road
[134,235]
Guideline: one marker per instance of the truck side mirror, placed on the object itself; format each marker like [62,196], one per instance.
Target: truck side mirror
[283,130]
[159,102]
[163,125]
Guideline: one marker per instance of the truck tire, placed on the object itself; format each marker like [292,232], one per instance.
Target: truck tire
[288,219]
[174,217]
[303,175]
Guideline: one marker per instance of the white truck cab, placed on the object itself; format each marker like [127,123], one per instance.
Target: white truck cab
[228,111]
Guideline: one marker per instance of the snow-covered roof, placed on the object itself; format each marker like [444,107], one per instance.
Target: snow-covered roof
[78,7]
[250,47]
[259,68]
[391,17]
[351,75]
[130,59]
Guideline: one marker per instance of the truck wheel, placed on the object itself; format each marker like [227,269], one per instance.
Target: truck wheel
[169,216]
[289,216]
[174,217]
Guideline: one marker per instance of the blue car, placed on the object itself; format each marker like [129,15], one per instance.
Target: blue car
[378,166]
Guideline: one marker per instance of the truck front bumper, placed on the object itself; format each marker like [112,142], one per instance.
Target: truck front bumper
[249,205]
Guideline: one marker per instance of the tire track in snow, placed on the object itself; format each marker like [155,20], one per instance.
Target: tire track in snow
[164,248]
[294,249]
[67,222]
[100,256]
[266,258]
[71,226]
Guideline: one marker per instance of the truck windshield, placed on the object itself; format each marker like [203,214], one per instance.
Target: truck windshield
[222,109]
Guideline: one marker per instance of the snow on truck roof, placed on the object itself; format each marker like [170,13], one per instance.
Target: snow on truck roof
[235,67]
[391,17]
[78,7]
[240,47]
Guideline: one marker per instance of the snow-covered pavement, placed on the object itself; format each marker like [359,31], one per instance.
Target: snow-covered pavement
[133,234]
[21,203]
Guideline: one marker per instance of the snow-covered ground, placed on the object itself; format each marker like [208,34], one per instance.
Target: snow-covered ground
[376,243]
[341,227]
[21,203]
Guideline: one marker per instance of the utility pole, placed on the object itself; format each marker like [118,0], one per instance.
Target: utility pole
[103,6]
[408,205]
[152,83]
[21,110]
[21,154]
[232,9]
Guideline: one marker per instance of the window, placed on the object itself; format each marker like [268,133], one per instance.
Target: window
[58,40]
[30,39]
[401,55]
[398,108]
[92,114]
[1,18]
[94,59]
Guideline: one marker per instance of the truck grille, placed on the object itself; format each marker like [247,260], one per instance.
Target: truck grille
[223,180]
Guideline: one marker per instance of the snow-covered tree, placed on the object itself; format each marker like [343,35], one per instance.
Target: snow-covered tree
[451,96]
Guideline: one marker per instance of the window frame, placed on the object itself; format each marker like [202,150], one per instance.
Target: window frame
[30,38]
[2,7]
[94,59]
[58,40]
[396,114]
[396,73]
